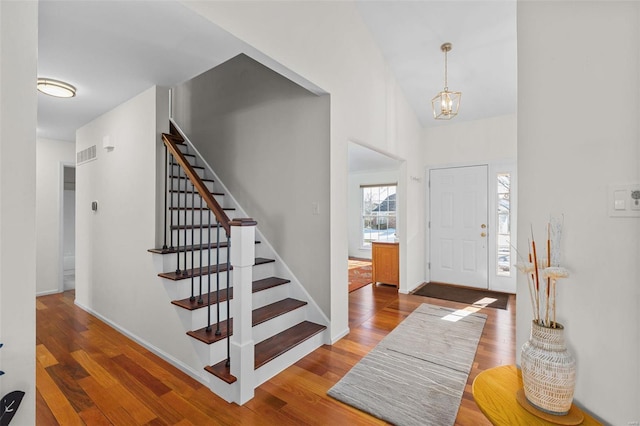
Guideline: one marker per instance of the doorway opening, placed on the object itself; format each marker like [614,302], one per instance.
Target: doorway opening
[372,216]
[68,228]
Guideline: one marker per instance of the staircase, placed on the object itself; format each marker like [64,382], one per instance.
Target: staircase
[199,276]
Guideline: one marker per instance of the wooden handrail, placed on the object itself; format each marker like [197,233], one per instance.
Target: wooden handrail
[170,143]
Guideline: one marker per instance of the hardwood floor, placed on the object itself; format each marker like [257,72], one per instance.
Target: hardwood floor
[87,373]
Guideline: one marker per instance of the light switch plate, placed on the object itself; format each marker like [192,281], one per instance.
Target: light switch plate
[623,200]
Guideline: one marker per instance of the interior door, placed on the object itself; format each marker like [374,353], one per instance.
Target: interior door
[458,226]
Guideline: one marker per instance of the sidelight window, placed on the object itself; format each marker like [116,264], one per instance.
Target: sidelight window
[503,234]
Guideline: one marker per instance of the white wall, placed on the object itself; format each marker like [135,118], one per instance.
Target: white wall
[116,278]
[267,139]
[18,113]
[587,57]
[472,142]
[328,44]
[50,156]
[355,206]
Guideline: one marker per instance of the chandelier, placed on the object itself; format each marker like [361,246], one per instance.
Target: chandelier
[446,104]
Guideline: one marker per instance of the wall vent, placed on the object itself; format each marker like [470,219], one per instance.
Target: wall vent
[86,155]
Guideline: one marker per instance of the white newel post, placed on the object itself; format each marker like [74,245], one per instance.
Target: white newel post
[242,345]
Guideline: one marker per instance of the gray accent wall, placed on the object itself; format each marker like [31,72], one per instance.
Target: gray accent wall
[268,140]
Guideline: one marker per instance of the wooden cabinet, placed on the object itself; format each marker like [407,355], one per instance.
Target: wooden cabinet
[384,262]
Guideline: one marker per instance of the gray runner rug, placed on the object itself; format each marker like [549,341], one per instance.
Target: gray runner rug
[416,375]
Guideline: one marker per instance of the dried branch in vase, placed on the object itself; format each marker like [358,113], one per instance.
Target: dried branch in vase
[542,274]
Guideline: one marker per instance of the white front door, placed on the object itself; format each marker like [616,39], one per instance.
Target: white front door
[458,226]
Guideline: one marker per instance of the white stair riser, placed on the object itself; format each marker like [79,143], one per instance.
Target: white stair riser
[269,296]
[224,390]
[181,289]
[170,261]
[185,200]
[178,171]
[181,147]
[188,318]
[189,236]
[263,271]
[210,354]
[191,159]
[185,184]
[189,217]
[279,324]
[288,358]
[197,319]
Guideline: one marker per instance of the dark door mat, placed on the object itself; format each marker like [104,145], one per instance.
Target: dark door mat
[463,295]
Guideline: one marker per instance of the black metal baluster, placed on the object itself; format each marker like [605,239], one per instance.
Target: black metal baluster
[218,332]
[193,206]
[166,176]
[200,301]
[185,228]
[171,205]
[176,194]
[208,270]
[228,363]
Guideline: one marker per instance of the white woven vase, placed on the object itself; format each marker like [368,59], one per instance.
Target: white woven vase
[548,370]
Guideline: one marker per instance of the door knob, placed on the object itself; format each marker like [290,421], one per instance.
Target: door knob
[483,234]
[483,226]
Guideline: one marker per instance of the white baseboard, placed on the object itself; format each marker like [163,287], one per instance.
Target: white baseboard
[340,335]
[48,292]
[155,350]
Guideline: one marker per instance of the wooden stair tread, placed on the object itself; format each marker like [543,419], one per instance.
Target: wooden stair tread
[192,305]
[256,287]
[195,272]
[206,180]
[221,371]
[258,316]
[198,208]
[192,166]
[274,310]
[170,250]
[274,346]
[174,191]
[266,283]
[210,336]
[198,226]
[173,250]
[270,348]
[184,177]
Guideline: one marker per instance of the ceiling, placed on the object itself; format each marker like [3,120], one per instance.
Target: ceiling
[114,50]
[482,64]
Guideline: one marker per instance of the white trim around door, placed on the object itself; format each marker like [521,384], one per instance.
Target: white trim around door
[500,231]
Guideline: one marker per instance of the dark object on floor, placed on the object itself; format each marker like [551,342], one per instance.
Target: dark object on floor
[9,405]
[463,295]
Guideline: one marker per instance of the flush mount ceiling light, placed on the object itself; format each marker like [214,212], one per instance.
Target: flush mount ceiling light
[56,88]
[446,104]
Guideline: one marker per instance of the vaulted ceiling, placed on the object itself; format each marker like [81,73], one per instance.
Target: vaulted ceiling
[113,50]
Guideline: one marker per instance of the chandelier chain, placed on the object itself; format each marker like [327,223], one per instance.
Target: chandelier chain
[446,88]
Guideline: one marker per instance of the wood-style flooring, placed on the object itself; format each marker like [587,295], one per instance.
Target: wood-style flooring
[87,373]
